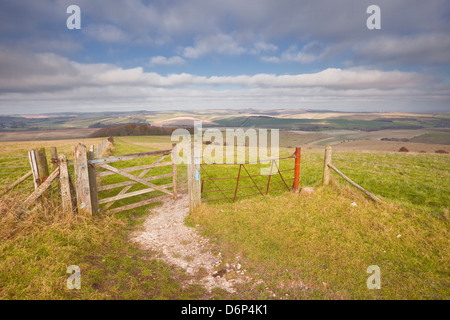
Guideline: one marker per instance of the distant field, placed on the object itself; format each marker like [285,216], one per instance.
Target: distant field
[390,146]
[434,137]
[45,134]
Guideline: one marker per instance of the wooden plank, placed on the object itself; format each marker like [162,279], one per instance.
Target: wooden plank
[131,194]
[82,184]
[42,165]
[137,204]
[130,183]
[65,184]
[16,183]
[34,170]
[137,168]
[372,196]
[41,189]
[141,175]
[130,176]
[131,156]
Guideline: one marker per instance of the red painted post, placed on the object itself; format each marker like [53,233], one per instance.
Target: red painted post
[298,151]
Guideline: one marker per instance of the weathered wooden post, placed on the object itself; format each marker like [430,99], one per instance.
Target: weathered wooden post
[54,159]
[326,168]
[194,190]
[298,151]
[65,184]
[174,170]
[82,183]
[39,166]
[54,155]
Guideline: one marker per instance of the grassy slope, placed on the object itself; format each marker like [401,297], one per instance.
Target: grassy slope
[323,243]
[319,246]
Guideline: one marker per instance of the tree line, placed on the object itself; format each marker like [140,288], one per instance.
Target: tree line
[133,129]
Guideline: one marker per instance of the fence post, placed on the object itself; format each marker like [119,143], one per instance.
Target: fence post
[54,159]
[194,191]
[326,168]
[82,184]
[54,155]
[298,151]
[174,170]
[65,184]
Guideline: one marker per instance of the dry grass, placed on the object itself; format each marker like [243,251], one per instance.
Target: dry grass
[37,248]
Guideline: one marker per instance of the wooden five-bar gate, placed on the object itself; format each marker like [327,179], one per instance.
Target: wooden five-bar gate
[85,167]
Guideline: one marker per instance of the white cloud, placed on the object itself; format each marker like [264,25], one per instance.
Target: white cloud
[48,81]
[160,60]
[106,33]
[37,71]
[260,47]
[214,44]
[310,52]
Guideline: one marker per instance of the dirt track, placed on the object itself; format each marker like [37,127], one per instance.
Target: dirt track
[181,246]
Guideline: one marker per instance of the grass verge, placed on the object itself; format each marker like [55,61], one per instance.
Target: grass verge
[320,246]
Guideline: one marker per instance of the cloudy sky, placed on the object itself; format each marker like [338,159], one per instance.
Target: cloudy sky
[217,54]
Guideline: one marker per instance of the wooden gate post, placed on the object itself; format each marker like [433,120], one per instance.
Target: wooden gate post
[326,168]
[82,182]
[194,189]
[298,151]
[174,169]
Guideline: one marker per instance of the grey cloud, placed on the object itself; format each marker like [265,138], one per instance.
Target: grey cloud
[422,48]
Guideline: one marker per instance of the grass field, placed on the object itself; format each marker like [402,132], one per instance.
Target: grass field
[303,247]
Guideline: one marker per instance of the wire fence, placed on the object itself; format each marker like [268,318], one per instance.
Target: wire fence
[229,182]
[422,181]
[419,180]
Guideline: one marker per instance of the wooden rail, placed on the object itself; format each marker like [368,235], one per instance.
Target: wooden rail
[371,195]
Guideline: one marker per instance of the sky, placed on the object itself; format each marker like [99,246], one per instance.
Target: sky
[224,54]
